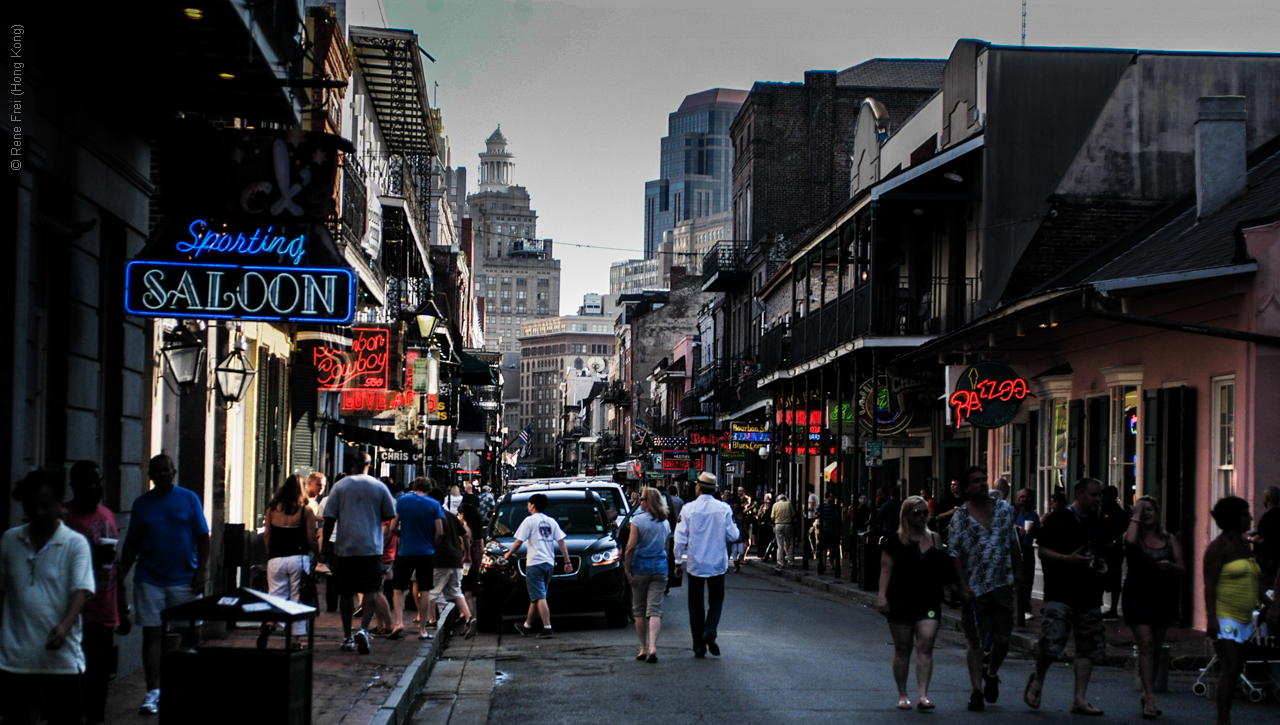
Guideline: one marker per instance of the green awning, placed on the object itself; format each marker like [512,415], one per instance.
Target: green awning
[475,371]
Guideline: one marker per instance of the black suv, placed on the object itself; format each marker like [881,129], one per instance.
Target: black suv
[597,583]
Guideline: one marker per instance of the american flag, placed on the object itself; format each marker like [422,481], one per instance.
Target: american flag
[526,437]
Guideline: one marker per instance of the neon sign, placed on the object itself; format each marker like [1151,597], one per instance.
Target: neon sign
[879,411]
[987,395]
[676,460]
[276,242]
[227,291]
[375,401]
[364,367]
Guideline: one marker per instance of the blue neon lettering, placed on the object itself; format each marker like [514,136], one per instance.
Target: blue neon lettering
[155,296]
[244,292]
[217,295]
[273,294]
[327,297]
[187,292]
[259,242]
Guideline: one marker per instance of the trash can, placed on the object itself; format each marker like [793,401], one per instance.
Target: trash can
[869,560]
[215,684]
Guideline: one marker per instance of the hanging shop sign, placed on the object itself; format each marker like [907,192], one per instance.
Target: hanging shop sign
[987,395]
[671,441]
[677,460]
[749,436]
[878,411]
[400,457]
[372,402]
[366,366]
[875,453]
[808,440]
[237,272]
[708,442]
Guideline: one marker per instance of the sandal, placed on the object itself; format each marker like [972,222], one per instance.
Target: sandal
[1149,710]
[397,633]
[1085,709]
[904,703]
[1032,699]
[925,703]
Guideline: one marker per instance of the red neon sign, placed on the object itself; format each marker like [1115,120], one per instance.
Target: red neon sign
[987,395]
[364,367]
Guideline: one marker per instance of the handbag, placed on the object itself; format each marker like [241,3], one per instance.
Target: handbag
[307,592]
[675,578]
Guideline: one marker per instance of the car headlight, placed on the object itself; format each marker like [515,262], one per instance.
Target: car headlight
[606,557]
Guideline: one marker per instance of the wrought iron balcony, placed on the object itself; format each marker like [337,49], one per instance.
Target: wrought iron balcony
[725,266]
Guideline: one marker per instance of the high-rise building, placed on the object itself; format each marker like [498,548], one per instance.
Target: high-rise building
[513,269]
[696,177]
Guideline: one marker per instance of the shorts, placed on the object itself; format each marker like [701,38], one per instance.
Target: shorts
[406,567]
[357,575]
[448,585]
[1091,633]
[536,579]
[989,613]
[912,613]
[647,595]
[150,599]
[1233,631]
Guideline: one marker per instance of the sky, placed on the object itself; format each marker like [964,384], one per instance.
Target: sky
[583,88]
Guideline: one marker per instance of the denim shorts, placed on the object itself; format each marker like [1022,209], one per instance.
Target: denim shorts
[536,579]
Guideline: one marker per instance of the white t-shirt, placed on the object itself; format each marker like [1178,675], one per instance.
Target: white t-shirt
[37,587]
[541,534]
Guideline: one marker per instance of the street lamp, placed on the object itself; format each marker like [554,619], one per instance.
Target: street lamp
[184,354]
[235,372]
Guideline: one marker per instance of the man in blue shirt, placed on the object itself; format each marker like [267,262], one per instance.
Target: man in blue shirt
[169,539]
[419,521]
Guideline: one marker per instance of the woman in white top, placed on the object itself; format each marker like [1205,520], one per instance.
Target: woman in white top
[453,500]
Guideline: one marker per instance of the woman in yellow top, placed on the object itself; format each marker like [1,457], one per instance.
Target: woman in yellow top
[1231,595]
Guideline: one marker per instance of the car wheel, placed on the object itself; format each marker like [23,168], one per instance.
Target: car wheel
[618,616]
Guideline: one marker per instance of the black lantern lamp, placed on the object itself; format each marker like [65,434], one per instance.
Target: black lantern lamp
[235,373]
[184,354]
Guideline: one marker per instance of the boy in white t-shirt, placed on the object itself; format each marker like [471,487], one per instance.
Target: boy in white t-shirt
[542,533]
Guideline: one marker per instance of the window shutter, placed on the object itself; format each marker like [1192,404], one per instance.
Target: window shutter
[302,392]
[1075,443]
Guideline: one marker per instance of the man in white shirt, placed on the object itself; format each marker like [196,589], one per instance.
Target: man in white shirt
[706,526]
[360,503]
[46,576]
[542,533]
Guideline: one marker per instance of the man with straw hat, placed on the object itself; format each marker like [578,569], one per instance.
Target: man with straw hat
[706,526]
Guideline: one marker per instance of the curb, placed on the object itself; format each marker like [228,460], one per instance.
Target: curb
[1018,641]
[395,709]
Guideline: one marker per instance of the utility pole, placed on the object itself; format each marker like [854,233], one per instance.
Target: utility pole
[1024,22]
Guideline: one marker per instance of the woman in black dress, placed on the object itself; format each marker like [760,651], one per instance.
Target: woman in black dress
[1150,591]
[913,569]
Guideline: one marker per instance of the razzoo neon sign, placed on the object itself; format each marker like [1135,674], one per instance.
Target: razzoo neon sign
[987,395]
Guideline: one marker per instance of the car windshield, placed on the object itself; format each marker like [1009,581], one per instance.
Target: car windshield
[575,516]
[612,498]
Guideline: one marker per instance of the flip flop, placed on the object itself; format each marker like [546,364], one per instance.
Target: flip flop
[1032,700]
[904,704]
[425,635]
[925,703]
[1085,709]
[397,633]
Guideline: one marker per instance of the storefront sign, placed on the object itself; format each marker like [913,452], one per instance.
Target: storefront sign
[364,367]
[400,457]
[879,411]
[671,441]
[231,292]
[708,442]
[676,460]
[373,402]
[987,395]
[875,453]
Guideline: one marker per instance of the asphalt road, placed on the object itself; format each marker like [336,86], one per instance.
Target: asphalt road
[790,655]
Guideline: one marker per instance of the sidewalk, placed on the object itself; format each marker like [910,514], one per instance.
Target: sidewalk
[1188,648]
[347,687]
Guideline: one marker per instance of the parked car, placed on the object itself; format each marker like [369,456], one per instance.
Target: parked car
[597,582]
[611,493]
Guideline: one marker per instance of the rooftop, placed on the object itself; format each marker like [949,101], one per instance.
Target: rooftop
[715,95]
[894,73]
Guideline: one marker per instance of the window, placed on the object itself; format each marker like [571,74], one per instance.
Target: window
[544,282]
[490,279]
[506,294]
[522,282]
[506,280]
[1224,438]
[479,288]
[521,294]
[1053,447]
[491,294]
[1123,473]
[506,308]
[543,295]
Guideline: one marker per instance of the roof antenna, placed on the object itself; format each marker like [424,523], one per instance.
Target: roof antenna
[1024,22]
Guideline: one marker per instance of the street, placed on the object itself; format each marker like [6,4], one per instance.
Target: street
[789,655]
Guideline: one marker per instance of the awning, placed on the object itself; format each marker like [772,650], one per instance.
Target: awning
[374,437]
[440,433]
[475,371]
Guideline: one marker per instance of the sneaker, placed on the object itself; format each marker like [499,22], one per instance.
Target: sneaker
[150,705]
[976,702]
[524,629]
[991,689]
[546,633]
[349,644]
[362,642]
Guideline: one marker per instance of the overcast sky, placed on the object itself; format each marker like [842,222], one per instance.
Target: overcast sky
[582,88]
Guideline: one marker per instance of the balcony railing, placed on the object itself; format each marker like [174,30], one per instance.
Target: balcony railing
[905,309]
[724,266]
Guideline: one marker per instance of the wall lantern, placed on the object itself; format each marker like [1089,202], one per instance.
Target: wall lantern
[184,354]
[235,372]
[426,325]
